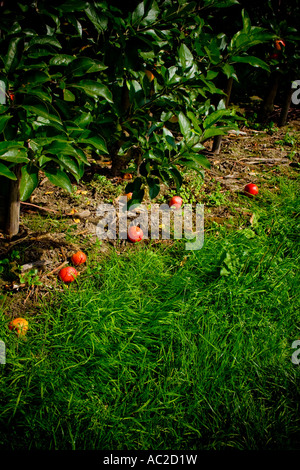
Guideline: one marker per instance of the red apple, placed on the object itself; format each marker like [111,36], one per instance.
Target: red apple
[175,202]
[19,325]
[251,190]
[279,43]
[68,274]
[78,258]
[135,234]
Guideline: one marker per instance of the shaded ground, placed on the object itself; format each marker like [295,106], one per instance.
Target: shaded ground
[54,224]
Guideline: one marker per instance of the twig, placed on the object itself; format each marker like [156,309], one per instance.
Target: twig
[39,207]
[56,269]
[28,295]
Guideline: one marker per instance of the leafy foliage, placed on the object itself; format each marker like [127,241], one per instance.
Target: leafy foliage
[135,81]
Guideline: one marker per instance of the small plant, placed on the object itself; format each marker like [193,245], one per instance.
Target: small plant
[218,197]
[30,278]
[3,264]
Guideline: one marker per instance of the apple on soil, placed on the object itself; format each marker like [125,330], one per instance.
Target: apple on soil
[135,234]
[176,202]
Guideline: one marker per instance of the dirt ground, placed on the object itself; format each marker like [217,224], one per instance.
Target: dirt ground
[54,223]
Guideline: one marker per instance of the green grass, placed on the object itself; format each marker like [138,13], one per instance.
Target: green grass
[163,348]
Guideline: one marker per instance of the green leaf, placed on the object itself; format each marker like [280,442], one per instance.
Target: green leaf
[61,60]
[8,144]
[60,148]
[96,141]
[73,5]
[82,65]
[94,89]
[34,77]
[15,155]
[59,178]
[84,119]
[138,14]
[185,56]
[68,95]
[43,110]
[215,116]
[3,121]
[212,131]
[229,71]
[184,124]
[154,187]
[99,22]
[70,165]
[191,164]
[38,92]
[29,181]
[177,177]
[251,60]
[44,40]
[11,58]
[5,171]
[200,160]
[246,22]
[151,15]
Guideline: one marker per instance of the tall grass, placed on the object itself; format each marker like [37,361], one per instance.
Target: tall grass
[161,348]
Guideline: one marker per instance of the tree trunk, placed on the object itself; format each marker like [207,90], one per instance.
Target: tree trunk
[13,205]
[286,106]
[268,103]
[218,138]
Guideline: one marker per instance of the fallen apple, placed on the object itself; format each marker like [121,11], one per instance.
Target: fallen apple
[135,234]
[175,202]
[251,190]
[68,274]
[78,258]
[19,325]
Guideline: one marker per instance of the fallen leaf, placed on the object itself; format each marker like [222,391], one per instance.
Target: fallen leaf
[72,212]
[81,191]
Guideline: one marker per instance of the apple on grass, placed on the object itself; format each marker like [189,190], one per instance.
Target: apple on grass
[78,258]
[251,190]
[19,325]
[68,274]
